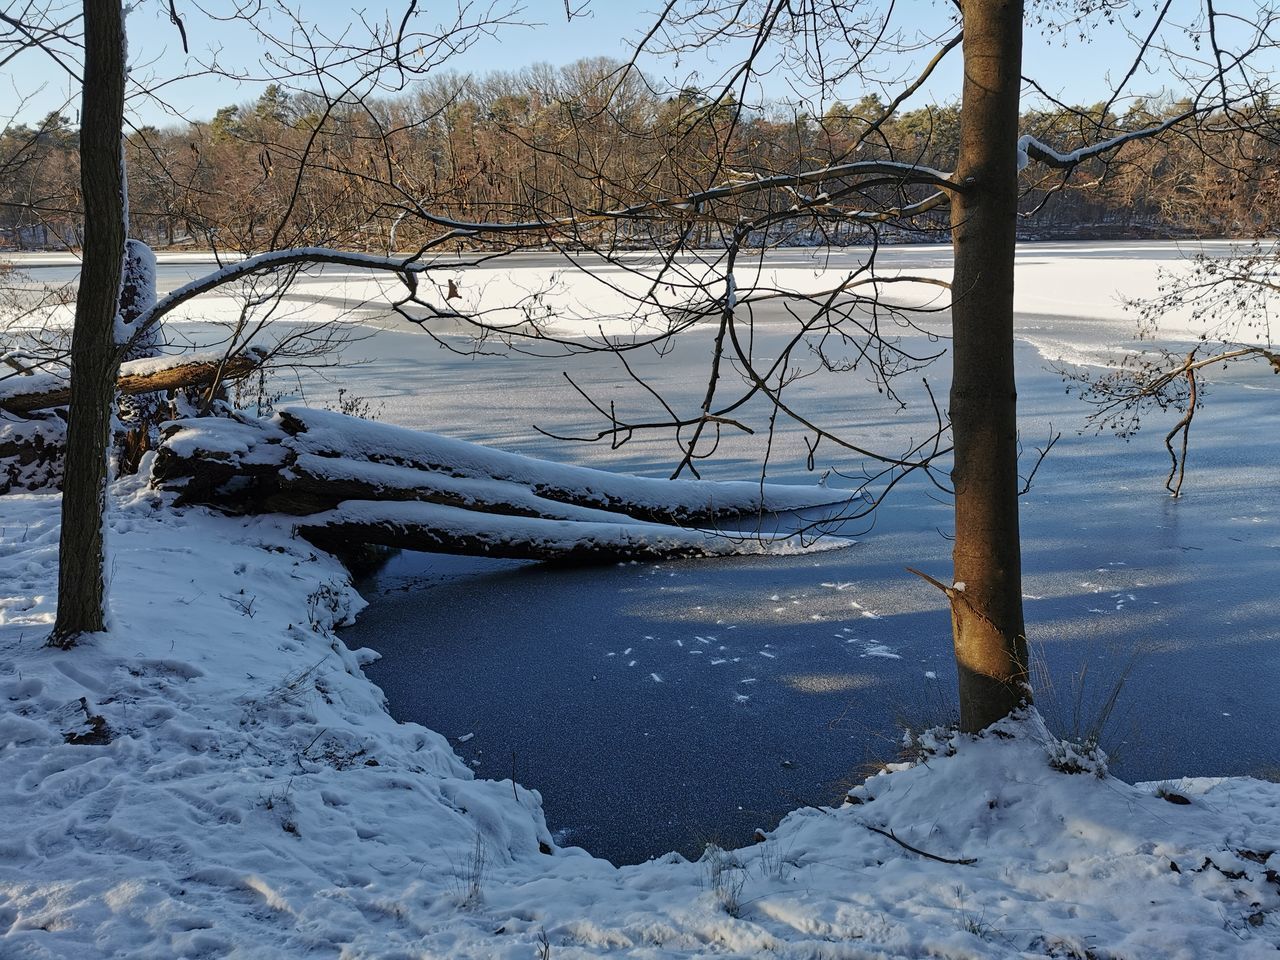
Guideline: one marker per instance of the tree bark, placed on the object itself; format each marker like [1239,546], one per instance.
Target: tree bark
[986,613]
[93,351]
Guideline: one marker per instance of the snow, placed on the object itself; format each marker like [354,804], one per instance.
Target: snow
[470,490]
[253,798]
[224,438]
[45,436]
[152,365]
[138,287]
[31,383]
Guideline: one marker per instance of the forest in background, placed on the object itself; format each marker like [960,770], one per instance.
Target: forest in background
[291,169]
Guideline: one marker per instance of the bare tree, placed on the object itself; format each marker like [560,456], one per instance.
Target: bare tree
[986,602]
[94,360]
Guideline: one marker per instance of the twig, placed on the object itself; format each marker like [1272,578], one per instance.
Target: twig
[955,594]
[964,861]
[1183,426]
[949,591]
[307,750]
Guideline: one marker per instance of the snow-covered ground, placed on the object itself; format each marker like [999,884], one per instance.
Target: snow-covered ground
[215,776]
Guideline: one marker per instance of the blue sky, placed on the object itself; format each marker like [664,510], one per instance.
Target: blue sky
[1066,66]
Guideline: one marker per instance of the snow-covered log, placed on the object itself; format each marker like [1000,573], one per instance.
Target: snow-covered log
[229,463]
[436,528]
[357,482]
[328,434]
[312,479]
[31,452]
[43,391]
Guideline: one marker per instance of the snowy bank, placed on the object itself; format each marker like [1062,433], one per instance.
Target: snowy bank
[215,776]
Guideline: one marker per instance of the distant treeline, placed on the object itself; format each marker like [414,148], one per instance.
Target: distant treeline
[295,169]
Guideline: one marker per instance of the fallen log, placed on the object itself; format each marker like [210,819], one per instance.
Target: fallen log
[43,391]
[435,528]
[309,480]
[333,435]
[352,482]
[223,462]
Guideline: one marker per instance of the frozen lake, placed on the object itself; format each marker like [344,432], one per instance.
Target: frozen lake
[660,707]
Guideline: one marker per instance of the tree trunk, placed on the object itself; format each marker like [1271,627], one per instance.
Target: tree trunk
[986,613]
[93,350]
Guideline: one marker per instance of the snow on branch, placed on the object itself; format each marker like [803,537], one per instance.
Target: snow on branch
[262,262]
[1030,148]
[328,434]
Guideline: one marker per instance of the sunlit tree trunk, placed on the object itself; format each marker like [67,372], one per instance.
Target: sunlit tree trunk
[94,362]
[987,623]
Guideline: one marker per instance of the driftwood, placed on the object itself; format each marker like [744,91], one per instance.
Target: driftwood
[353,482]
[136,377]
